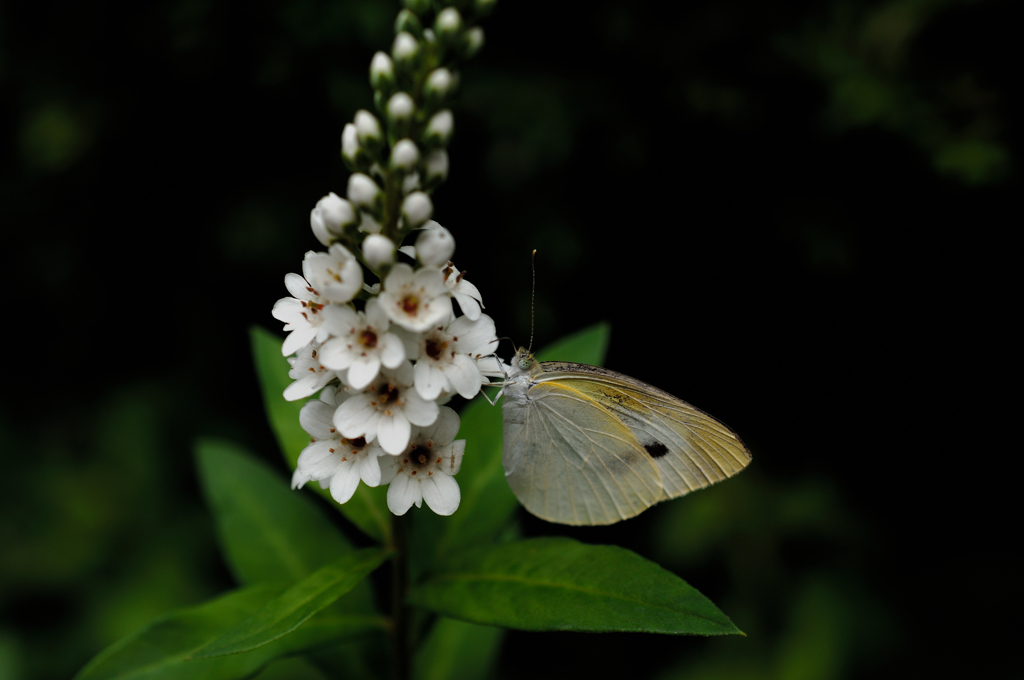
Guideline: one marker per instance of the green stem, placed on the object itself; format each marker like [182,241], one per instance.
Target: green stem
[401,631]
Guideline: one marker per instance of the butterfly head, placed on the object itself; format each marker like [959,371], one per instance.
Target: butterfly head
[524,363]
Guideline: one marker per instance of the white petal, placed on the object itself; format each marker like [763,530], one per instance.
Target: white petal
[363,370]
[393,432]
[297,339]
[357,417]
[298,287]
[464,375]
[399,276]
[469,306]
[474,337]
[369,467]
[444,429]
[317,419]
[453,461]
[402,494]
[320,460]
[389,466]
[340,319]
[392,350]
[441,492]
[344,483]
[419,411]
[299,480]
[430,380]
[308,385]
[336,355]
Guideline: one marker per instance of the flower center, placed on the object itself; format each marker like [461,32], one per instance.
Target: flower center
[368,339]
[434,349]
[410,303]
[387,394]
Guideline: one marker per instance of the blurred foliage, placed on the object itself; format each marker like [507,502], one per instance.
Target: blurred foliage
[834,185]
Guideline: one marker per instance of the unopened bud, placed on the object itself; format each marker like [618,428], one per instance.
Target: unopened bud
[378,250]
[330,217]
[410,23]
[405,155]
[435,168]
[382,72]
[405,51]
[448,25]
[368,130]
[364,192]
[355,156]
[439,85]
[400,110]
[439,129]
[471,42]
[416,209]
[435,245]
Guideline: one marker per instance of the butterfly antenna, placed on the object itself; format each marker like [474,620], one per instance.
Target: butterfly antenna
[533,295]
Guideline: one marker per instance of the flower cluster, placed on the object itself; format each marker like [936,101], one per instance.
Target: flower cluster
[372,320]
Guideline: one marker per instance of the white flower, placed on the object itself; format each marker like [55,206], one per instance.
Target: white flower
[386,411]
[415,301]
[308,373]
[330,217]
[464,292]
[300,314]
[334,461]
[336,275]
[439,83]
[405,48]
[448,22]
[416,209]
[446,358]
[382,70]
[378,250]
[434,245]
[361,343]
[425,470]
[400,106]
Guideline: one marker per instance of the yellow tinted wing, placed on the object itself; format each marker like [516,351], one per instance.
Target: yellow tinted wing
[575,462]
[691,449]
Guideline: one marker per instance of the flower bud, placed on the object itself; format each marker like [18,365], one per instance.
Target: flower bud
[405,51]
[378,250]
[417,6]
[355,156]
[416,209]
[448,25]
[439,85]
[368,130]
[382,73]
[435,166]
[471,42]
[439,129]
[435,245]
[364,192]
[400,110]
[330,217]
[405,155]
[408,22]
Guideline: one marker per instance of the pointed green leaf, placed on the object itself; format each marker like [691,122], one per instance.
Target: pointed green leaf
[291,609]
[560,584]
[456,649]
[268,532]
[368,507]
[164,650]
[487,502]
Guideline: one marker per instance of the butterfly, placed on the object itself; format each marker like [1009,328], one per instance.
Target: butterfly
[584,445]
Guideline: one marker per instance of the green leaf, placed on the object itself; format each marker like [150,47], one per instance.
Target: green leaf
[268,532]
[164,650]
[487,502]
[368,507]
[587,346]
[455,649]
[560,584]
[291,609]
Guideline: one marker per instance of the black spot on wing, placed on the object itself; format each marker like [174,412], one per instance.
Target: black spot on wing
[655,449]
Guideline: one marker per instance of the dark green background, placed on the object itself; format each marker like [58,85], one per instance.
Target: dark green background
[798,216]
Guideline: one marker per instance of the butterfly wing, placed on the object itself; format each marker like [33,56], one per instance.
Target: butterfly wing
[690,449]
[570,460]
